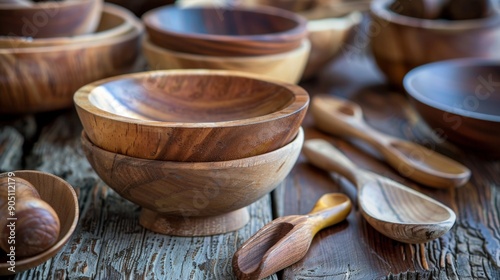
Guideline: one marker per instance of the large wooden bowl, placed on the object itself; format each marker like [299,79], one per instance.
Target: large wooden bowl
[45,78]
[198,198]
[225,31]
[114,21]
[460,100]
[191,115]
[62,198]
[50,19]
[400,43]
[286,67]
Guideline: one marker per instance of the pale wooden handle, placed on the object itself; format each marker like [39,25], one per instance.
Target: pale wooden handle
[323,155]
[331,208]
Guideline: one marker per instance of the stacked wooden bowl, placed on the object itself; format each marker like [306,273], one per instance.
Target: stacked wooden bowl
[41,68]
[212,37]
[194,148]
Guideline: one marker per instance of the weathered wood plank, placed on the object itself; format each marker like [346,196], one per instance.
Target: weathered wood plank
[11,149]
[109,243]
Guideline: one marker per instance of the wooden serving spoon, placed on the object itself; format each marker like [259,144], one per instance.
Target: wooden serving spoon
[344,118]
[394,210]
[286,240]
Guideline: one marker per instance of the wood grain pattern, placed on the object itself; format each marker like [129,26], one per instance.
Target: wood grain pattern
[462,104]
[50,19]
[62,198]
[114,21]
[51,75]
[426,41]
[224,31]
[286,67]
[193,198]
[191,115]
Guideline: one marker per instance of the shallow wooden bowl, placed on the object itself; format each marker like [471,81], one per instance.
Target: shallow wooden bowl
[191,115]
[114,21]
[45,78]
[286,67]
[50,19]
[460,100]
[327,35]
[400,43]
[61,196]
[225,31]
[193,198]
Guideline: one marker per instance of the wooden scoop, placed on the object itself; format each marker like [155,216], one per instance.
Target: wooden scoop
[344,118]
[286,240]
[394,210]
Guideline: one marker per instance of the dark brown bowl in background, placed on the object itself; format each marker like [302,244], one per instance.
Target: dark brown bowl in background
[225,31]
[460,100]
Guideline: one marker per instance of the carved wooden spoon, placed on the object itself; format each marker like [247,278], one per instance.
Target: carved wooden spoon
[286,240]
[344,118]
[394,210]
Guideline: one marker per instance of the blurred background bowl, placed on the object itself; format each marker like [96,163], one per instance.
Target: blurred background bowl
[225,31]
[42,79]
[62,198]
[400,43]
[193,198]
[50,19]
[460,100]
[191,115]
[285,67]
[140,7]
[114,22]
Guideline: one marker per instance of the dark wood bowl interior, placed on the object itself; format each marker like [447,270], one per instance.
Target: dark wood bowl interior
[460,99]
[191,98]
[225,31]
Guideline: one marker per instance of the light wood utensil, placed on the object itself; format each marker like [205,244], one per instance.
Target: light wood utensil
[286,240]
[344,118]
[394,210]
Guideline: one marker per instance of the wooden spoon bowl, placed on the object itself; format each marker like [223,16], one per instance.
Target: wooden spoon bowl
[114,22]
[62,198]
[460,100]
[224,31]
[193,198]
[42,79]
[427,40]
[191,115]
[286,67]
[50,19]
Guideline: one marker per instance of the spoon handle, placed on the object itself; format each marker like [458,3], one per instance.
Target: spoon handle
[323,155]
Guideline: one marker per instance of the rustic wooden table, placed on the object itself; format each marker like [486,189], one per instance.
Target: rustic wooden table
[110,244]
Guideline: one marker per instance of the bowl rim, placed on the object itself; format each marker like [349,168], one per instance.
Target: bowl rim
[456,63]
[300,30]
[300,100]
[108,8]
[44,5]
[380,8]
[298,140]
[52,251]
[136,30]
[148,44]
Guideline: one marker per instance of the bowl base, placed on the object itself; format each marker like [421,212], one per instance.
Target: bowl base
[194,226]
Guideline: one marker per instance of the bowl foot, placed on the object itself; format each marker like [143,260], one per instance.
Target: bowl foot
[194,226]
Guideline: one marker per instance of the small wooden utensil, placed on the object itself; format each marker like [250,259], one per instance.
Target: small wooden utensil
[286,240]
[394,210]
[344,118]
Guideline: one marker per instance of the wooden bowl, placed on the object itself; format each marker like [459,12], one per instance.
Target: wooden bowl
[327,35]
[460,100]
[191,115]
[114,21]
[193,198]
[287,67]
[225,31]
[400,43]
[42,79]
[50,19]
[61,196]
